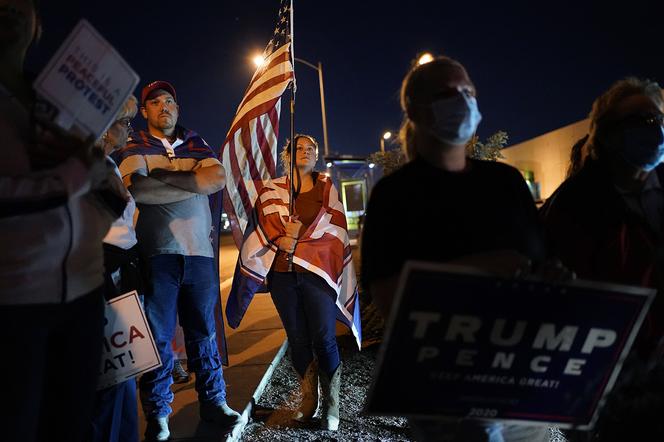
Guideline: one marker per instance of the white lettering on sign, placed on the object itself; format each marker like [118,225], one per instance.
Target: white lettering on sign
[598,338]
[464,327]
[503,360]
[422,321]
[547,337]
[537,364]
[427,353]
[573,366]
[465,358]
[499,328]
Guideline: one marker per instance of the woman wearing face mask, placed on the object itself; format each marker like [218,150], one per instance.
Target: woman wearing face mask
[606,222]
[452,209]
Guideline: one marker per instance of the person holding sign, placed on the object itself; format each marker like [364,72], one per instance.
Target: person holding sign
[170,171]
[453,209]
[115,417]
[606,222]
[59,198]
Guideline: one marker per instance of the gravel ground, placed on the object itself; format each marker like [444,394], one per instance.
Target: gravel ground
[272,422]
[272,417]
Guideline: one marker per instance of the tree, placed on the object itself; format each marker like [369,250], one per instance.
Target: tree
[489,150]
[389,161]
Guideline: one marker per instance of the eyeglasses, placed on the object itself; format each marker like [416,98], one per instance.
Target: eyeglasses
[126,122]
[649,119]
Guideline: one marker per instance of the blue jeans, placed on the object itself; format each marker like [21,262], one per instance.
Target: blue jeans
[115,414]
[186,286]
[307,308]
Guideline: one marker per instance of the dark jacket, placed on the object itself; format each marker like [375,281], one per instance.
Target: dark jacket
[589,227]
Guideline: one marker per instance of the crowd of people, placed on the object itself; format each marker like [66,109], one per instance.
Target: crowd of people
[88,220]
[604,223]
[84,221]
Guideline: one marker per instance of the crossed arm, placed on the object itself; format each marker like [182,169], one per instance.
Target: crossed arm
[164,186]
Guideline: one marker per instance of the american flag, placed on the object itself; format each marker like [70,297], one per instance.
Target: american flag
[324,250]
[249,154]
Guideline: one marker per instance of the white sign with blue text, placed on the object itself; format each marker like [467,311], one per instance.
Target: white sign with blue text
[87,81]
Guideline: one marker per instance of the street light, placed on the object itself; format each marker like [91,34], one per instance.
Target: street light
[386,136]
[425,58]
[259,60]
[319,68]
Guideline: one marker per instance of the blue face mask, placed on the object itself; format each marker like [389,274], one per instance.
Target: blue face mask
[642,145]
[455,118]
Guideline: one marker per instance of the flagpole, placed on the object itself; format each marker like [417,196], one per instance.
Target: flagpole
[292,88]
[292,38]
[292,150]
[292,147]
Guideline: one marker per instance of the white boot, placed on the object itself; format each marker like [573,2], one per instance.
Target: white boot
[329,418]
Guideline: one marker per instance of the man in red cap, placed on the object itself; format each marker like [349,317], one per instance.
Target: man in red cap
[171,171]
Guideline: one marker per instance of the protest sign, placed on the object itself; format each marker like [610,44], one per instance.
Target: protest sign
[128,346]
[463,344]
[85,83]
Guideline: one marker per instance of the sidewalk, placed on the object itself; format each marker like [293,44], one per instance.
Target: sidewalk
[251,347]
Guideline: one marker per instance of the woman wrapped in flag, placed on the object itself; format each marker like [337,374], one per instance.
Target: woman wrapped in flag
[307,260]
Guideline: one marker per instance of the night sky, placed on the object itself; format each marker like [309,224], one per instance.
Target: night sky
[536,66]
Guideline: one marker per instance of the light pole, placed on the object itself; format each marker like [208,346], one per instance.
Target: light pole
[259,60]
[319,68]
[386,136]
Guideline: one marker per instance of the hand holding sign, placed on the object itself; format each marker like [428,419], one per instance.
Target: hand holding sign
[52,145]
[504,263]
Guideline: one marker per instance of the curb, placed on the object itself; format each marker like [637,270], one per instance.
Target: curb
[248,410]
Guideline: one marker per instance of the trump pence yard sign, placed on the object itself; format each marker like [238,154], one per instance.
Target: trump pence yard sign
[465,345]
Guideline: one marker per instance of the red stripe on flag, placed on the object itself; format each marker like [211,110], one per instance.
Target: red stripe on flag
[266,149]
[240,187]
[274,81]
[283,58]
[259,110]
[251,161]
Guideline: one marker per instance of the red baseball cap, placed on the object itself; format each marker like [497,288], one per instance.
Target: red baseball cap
[155,85]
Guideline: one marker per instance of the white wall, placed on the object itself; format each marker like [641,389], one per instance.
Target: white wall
[547,155]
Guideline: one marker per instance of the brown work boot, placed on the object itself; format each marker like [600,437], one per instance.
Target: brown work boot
[309,392]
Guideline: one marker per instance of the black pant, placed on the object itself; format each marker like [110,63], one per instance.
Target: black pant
[131,270]
[52,353]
